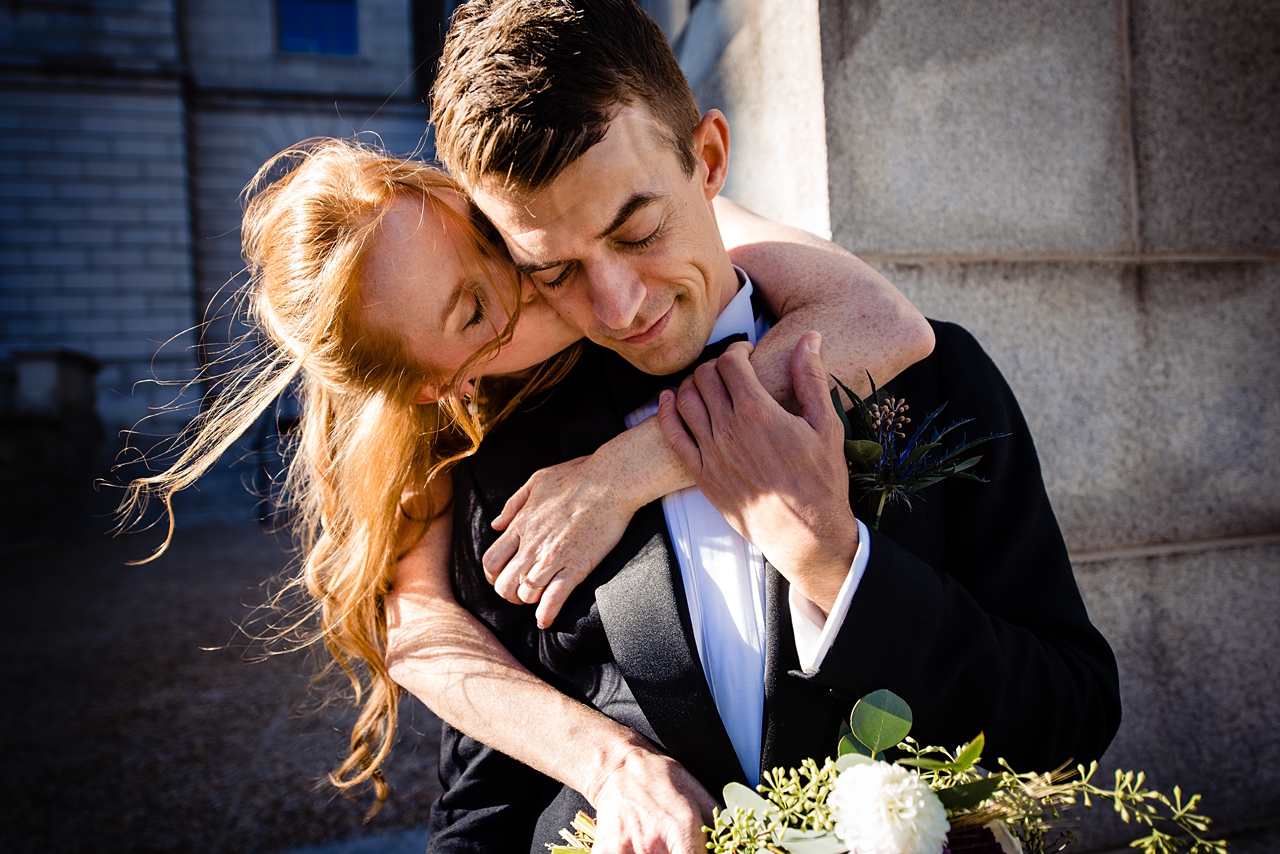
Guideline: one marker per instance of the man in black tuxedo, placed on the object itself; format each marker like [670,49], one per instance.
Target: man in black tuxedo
[574,137]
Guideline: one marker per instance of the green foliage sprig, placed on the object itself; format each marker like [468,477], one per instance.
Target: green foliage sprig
[793,817]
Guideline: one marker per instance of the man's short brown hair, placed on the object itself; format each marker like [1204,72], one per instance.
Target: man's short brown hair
[527,86]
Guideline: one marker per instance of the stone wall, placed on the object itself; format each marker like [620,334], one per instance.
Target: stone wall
[127,131]
[94,209]
[1091,187]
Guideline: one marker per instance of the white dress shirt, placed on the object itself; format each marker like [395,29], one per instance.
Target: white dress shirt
[724,585]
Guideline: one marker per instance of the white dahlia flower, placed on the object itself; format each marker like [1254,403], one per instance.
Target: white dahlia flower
[887,809]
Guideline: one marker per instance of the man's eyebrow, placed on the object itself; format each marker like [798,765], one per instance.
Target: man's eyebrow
[635,203]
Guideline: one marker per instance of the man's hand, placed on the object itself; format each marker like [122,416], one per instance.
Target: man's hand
[556,528]
[779,479]
[650,804]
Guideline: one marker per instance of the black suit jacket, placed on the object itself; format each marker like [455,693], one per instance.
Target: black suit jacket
[968,609]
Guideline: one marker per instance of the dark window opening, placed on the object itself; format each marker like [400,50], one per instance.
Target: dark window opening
[318,26]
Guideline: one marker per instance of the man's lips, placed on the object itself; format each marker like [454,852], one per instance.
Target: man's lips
[651,333]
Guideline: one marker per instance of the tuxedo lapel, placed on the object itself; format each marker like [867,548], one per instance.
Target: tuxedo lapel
[801,718]
[646,620]
[642,604]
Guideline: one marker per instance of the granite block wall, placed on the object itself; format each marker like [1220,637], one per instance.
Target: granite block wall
[232,44]
[768,82]
[234,137]
[96,234]
[1091,188]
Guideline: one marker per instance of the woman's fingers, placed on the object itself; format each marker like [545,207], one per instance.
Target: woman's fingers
[507,584]
[498,556]
[511,508]
[553,599]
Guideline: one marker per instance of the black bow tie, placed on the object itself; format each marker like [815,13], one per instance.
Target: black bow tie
[633,388]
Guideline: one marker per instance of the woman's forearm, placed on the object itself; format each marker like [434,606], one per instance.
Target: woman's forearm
[445,657]
[867,325]
[448,659]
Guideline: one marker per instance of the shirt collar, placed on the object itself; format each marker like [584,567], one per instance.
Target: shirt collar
[738,316]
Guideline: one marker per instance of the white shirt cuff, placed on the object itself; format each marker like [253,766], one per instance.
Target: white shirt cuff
[814,632]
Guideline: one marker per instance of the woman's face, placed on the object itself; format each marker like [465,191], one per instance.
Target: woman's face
[424,284]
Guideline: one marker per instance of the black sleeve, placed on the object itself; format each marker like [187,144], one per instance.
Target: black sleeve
[490,802]
[990,634]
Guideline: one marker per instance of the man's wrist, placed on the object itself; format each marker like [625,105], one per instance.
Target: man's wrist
[831,565]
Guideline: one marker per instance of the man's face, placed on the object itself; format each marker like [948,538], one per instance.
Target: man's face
[624,245]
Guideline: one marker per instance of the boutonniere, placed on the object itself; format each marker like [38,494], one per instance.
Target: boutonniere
[887,465]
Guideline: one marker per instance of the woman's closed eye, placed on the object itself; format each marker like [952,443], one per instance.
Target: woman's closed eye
[478,314]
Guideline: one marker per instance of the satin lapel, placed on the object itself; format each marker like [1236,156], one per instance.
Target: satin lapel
[646,619]
[801,718]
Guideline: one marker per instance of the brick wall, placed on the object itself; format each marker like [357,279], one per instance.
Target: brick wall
[96,233]
[127,130]
[138,35]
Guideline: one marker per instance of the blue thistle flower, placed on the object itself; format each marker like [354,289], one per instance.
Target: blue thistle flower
[888,473]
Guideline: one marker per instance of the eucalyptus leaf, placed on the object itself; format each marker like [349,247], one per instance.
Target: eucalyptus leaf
[850,746]
[967,464]
[880,720]
[971,754]
[812,842]
[968,794]
[738,795]
[864,452]
[927,764]
[848,760]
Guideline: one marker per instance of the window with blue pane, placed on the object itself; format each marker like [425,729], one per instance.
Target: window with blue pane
[318,26]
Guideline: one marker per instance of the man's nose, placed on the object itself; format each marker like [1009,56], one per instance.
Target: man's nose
[617,293]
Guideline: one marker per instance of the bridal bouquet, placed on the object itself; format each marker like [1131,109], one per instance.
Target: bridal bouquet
[928,801]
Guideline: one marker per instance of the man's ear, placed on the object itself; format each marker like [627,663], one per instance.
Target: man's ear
[711,146]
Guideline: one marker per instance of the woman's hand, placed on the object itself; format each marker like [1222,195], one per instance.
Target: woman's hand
[556,528]
[562,523]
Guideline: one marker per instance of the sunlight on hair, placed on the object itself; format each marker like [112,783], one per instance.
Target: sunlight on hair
[362,443]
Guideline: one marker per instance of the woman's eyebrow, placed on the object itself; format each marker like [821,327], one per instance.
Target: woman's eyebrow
[452,303]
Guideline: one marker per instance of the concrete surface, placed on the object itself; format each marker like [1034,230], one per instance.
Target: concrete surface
[1206,81]
[977,126]
[136,717]
[1150,390]
[1197,640]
